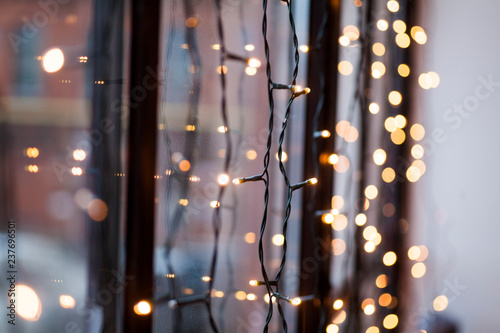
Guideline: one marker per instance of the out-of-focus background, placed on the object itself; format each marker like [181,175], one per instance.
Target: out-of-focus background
[63,152]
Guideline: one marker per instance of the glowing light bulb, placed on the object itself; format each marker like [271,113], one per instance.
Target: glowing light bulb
[142,308]
[249,47]
[67,301]
[53,60]
[223,179]
[296,301]
[253,283]
[254,63]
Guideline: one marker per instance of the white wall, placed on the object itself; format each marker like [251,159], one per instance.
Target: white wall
[457,201]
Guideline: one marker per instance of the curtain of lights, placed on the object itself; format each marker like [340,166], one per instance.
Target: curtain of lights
[233,77]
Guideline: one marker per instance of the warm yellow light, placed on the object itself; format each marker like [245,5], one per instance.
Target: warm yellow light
[400,121]
[369,232]
[205,278]
[191,22]
[250,237]
[369,309]
[216,47]
[403,40]
[142,308]
[32,152]
[325,133]
[388,175]
[332,328]
[413,174]
[417,132]
[76,171]
[434,79]
[360,219]
[418,270]
[381,281]
[67,301]
[251,297]
[53,60]
[414,252]
[251,154]
[183,202]
[395,98]
[97,209]
[240,295]
[373,108]
[376,239]
[404,70]
[223,179]
[296,301]
[369,247]
[221,69]
[214,204]
[249,47]
[337,202]
[393,6]
[389,258]
[338,304]
[28,304]
[327,218]
[424,252]
[254,63]
[266,298]
[344,41]
[417,151]
[79,154]
[378,49]
[378,69]
[184,165]
[385,299]
[341,127]
[340,222]
[250,71]
[372,329]
[399,26]
[424,81]
[304,48]
[32,168]
[345,67]
[419,35]
[440,303]
[333,159]
[390,124]
[340,317]
[351,32]
[390,321]
[351,134]
[222,129]
[382,25]
[379,156]
[398,136]
[284,156]
[278,239]
[342,165]
[338,246]
[371,192]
